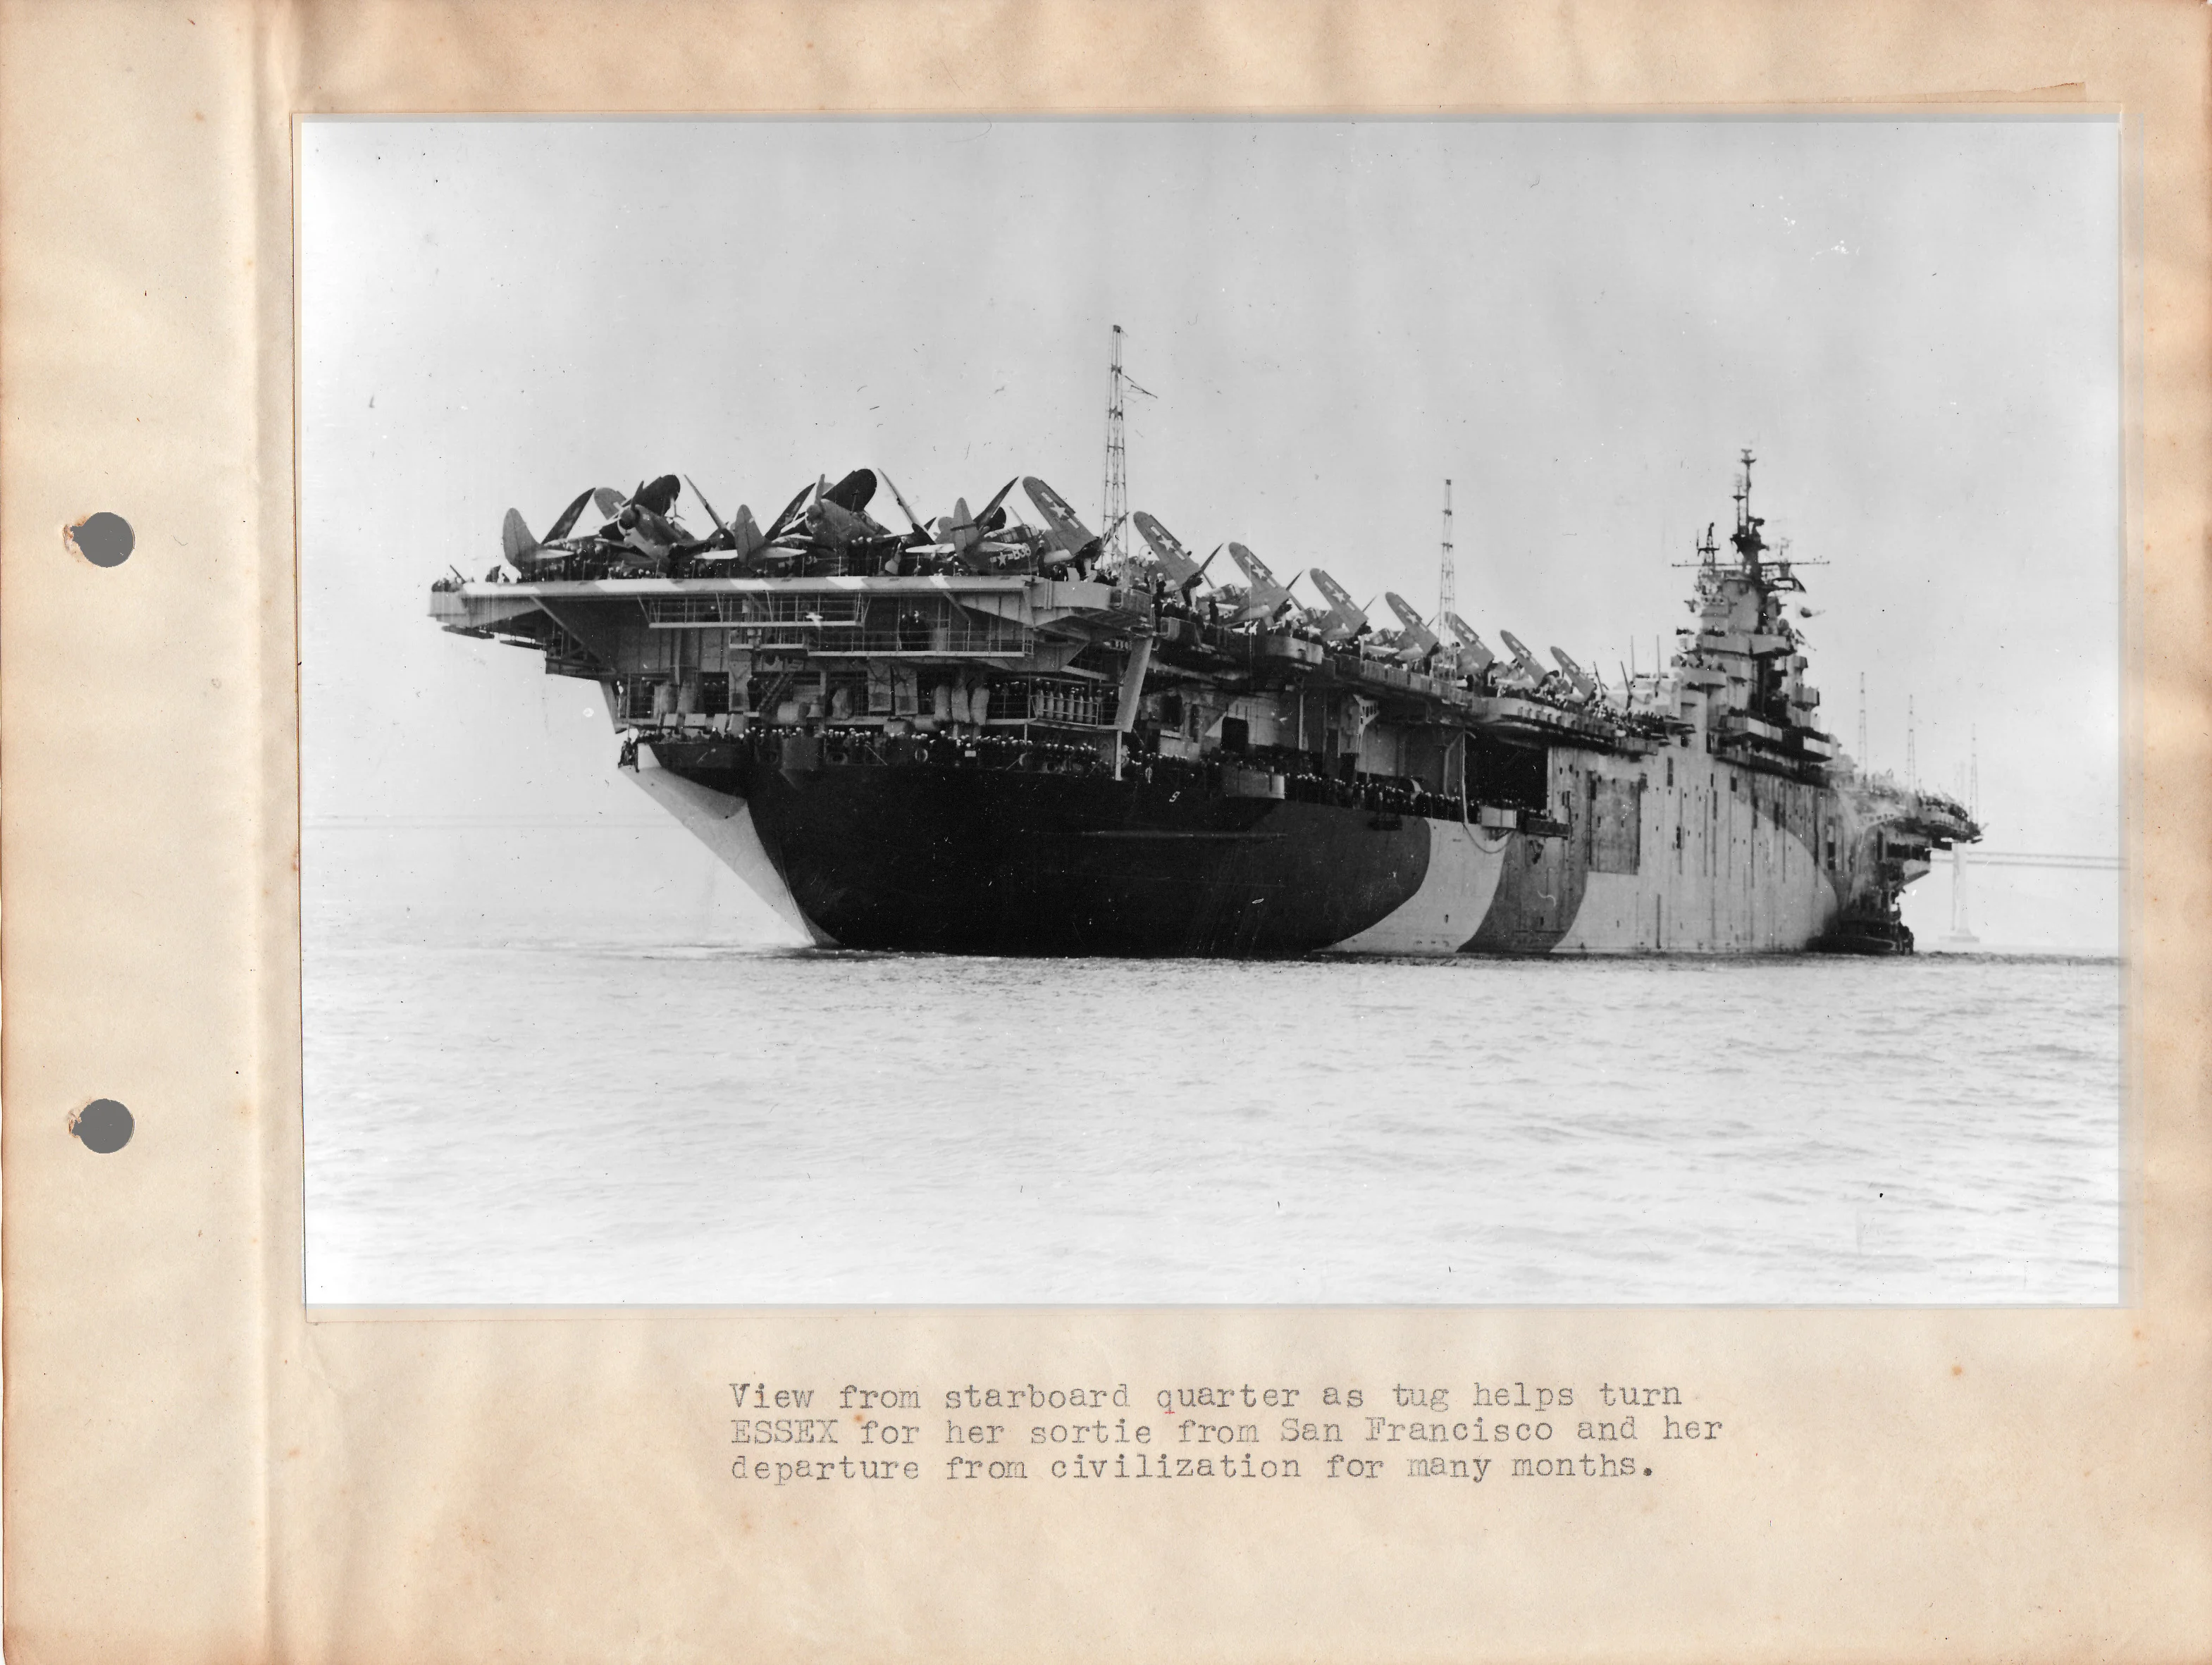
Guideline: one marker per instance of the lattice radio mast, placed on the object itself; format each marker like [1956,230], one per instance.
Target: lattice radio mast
[1447,585]
[1912,750]
[1117,463]
[1865,763]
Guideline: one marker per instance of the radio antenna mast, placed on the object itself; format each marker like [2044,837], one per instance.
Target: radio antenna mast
[1912,750]
[1866,764]
[1117,466]
[1447,588]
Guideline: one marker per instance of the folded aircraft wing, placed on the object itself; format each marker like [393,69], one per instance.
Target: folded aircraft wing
[1345,614]
[1174,560]
[1473,657]
[1067,530]
[1415,641]
[1253,569]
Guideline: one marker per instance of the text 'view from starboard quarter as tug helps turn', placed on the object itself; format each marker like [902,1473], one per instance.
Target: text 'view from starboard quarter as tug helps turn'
[981,736]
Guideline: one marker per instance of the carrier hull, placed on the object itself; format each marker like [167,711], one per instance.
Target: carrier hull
[973,860]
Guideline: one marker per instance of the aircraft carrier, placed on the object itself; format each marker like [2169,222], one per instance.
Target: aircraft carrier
[979,735]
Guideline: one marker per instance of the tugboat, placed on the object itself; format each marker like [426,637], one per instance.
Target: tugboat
[983,736]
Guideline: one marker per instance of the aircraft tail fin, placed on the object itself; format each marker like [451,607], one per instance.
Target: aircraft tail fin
[515,541]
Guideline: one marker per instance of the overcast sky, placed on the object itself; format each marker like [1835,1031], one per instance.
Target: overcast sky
[1914,324]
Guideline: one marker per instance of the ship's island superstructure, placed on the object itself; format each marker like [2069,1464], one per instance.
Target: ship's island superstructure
[979,736]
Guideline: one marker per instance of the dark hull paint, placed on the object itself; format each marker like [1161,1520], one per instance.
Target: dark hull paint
[985,862]
[1539,892]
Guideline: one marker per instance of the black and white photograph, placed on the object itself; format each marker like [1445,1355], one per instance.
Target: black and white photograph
[1243,711]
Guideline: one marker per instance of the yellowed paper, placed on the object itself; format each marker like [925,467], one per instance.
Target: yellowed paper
[195,1468]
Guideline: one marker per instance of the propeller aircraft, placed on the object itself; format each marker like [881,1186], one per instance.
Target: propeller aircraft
[1345,621]
[1473,659]
[741,540]
[646,524]
[643,522]
[837,521]
[967,539]
[1069,539]
[1524,673]
[526,553]
[1584,685]
[1416,641]
[1175,563]
[646,520]
[1264,596]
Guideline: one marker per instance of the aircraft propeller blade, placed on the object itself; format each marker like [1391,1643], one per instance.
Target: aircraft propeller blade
[561,527]
[992,507]
[790,514]
[704,504]
[911,519]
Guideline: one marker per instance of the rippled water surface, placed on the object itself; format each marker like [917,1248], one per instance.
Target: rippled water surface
[578,1121]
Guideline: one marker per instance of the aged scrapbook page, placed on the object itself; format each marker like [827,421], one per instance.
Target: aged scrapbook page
[1136,832]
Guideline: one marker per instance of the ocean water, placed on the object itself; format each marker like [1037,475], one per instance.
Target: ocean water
[531,1120]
